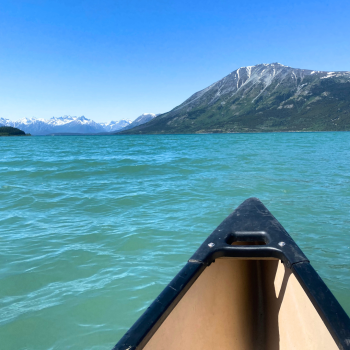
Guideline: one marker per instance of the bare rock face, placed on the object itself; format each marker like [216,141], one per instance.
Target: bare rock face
[265,97]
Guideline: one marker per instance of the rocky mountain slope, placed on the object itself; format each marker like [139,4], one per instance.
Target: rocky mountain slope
[265,97]
[142,119]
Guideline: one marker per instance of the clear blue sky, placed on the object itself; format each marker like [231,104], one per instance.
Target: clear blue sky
[110,60]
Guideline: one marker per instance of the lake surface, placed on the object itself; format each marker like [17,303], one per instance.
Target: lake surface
[93,228]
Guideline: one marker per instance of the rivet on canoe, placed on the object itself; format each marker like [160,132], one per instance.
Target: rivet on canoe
[211,245]
[281,244]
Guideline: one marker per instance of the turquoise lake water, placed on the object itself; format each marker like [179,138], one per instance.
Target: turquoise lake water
[93,228]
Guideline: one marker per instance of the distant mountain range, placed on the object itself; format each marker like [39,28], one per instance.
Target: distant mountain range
[74,125]
[265,97]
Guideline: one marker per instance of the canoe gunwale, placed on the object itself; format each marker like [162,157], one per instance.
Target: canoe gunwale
[250,222]
[332,314]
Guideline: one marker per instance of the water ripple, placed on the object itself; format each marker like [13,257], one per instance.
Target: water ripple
[93,228]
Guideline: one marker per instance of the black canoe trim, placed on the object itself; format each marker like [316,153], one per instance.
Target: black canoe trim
[250,222]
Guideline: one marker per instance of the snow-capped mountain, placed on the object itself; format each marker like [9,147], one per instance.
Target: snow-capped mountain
[116,125]
[65,124]
[260,98]
[142,119]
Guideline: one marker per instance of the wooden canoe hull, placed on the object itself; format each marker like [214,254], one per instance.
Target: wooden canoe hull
[248,287]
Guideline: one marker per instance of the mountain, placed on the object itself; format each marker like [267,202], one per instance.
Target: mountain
[66,124]
[265,97]
[116,125]
[142,119]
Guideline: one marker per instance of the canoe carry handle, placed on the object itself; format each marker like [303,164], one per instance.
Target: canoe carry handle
[247,238]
